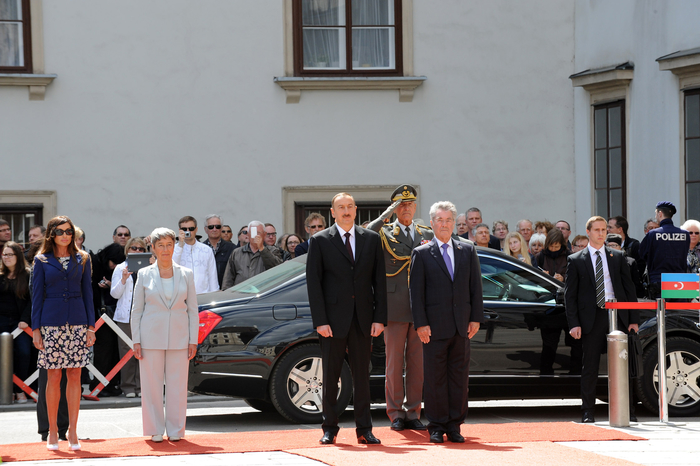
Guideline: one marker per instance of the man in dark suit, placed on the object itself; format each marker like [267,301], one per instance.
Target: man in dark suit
[403,347]
[347,295]
[447,307]
[619,226]
[593,275]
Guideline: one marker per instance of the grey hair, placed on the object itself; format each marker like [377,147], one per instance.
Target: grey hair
[537,238]
[162,233]
[461,215]
[256,223]
[479,226]
[690,223]
[209,217]
[524,220]
[443,205]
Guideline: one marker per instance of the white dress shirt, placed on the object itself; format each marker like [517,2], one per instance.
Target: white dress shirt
[607,281]
[199,258]
[123,293]
[450,251]
[352,237]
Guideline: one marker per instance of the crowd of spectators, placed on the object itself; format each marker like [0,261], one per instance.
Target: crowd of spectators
[219,259]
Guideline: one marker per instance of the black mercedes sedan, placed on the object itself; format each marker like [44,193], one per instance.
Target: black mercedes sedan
[257,342]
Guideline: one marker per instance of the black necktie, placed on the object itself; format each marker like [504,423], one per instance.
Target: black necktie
[408,232]
[347,245]
[599,282]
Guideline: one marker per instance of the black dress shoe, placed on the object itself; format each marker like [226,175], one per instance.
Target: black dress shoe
[414,424]
[61,436]
[455,437]
[436,437]
[587,417]
[368,438]
[327,439]
[397,424]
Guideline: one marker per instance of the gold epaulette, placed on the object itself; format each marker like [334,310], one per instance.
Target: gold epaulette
[418,227]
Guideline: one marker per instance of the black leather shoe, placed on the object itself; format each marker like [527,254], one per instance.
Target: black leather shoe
[397,424]
[414,424]
[587,417]
[368,439]
[455,437]
[327,439]
[436,437]
[61,436]
[633,418]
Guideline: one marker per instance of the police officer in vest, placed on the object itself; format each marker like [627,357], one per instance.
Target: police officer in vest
[403,347]
[664,249]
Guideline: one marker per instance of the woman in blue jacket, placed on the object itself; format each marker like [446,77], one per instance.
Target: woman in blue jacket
[63,320]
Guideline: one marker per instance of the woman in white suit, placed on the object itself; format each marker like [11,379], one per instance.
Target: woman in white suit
[164,326]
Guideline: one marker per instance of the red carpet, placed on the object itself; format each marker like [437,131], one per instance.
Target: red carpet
[480,438]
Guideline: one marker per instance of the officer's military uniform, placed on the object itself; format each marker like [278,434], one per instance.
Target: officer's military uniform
[399,334]
[665,250]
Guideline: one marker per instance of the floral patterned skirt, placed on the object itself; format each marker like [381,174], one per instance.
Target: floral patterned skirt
[65,347]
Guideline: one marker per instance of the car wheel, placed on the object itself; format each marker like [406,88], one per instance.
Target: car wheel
[261,405]
[296,385]
[682,377]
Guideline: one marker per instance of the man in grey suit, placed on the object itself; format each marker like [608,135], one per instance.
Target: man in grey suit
[403,347]
[448,308]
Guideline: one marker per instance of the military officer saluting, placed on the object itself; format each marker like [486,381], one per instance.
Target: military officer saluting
[664,249]
[403,347]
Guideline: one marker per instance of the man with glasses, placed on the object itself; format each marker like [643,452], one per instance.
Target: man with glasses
[226,233]
[121,235]
[565,228]
[271,240]
[196,256]
[242,236]
[314,223]
[252,258]
[222,249]
[5,233]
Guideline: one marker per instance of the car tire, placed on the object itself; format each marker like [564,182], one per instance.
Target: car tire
[261,405]
[682,376]
[297,382]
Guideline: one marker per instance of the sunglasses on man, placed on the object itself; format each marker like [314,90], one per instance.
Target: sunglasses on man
[188,228]
[211,227]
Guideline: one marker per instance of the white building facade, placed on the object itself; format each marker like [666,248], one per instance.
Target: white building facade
[140,112]
[637,109]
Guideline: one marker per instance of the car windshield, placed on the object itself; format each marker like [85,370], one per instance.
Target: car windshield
[270,279]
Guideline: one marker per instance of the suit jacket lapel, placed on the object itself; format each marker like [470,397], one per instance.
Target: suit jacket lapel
[177,273]
[402,237]
[159,284]
[457,251]
[359,242]
[437,254]
[51,259]
[417,237]
[339,242]
[586,255]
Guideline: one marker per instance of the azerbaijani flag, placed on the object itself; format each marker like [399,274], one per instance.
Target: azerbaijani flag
[680,285]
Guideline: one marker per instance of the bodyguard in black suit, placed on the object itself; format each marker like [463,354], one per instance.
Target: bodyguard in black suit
[593,275]
[447,307]
[347,295]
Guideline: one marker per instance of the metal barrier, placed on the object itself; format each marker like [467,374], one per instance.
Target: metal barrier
[104,379]
[6,369]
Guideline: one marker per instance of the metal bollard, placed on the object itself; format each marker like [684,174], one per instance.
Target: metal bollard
[6,368]
[663,388]
[618,375]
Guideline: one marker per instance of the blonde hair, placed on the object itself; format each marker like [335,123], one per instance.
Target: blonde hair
[523,247]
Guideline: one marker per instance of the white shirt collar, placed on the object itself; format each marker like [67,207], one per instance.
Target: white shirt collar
[342,232]
[440,243]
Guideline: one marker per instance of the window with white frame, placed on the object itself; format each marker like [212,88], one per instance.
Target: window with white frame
[347,37]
